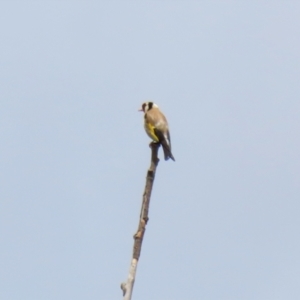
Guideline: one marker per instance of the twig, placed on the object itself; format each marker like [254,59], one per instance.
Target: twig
[127,287]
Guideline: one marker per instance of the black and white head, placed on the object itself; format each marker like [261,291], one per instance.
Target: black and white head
[146,106]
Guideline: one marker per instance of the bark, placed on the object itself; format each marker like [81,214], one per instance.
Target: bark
[127,286]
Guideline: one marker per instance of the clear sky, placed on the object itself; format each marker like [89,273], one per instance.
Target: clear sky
[224,218]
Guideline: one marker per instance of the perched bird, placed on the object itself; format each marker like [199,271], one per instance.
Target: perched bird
[156,126]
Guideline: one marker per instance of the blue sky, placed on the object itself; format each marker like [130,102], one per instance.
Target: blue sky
[224,218]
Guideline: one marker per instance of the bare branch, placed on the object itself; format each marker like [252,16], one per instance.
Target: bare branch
[127,287]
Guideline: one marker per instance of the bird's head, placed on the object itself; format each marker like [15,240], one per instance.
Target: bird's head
[146,106]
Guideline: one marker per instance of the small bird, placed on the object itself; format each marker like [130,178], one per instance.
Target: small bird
[156,126]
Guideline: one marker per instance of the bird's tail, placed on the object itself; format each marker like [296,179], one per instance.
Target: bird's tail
[167,151]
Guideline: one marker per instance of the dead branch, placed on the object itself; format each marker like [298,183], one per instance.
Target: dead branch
[127,287]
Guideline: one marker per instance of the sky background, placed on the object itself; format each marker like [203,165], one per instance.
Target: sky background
[224,218]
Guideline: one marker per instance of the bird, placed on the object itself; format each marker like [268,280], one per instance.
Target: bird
[157,128]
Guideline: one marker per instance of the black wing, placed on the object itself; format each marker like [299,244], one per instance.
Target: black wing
[166,144]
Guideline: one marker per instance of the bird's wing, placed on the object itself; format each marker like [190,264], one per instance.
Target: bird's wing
[164,140]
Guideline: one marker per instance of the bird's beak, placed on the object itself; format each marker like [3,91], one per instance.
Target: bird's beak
[140,109]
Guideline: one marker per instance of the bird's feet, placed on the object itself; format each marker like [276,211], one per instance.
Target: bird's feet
[153,143]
